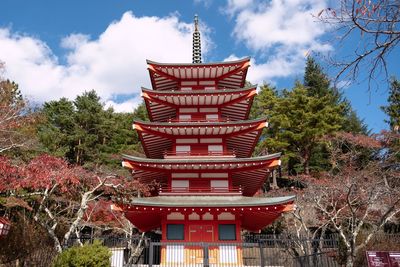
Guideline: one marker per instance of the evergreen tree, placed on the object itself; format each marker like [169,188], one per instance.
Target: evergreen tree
[86,133]
[56,133]
[302,120]
[318,85]
[264,106]
[316,81]
[90,118]
[140,112]
[299,118]
[393,109]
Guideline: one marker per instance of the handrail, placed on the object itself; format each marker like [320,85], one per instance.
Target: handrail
[198,119]
[211,189]
[202,153]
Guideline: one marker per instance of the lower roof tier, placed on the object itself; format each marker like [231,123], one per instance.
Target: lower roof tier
[254,213]
[247,173]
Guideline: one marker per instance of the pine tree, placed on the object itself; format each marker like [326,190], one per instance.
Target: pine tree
[318,85]
[89,117]
[316,81]
[264,106]
[55,133]
[393,109]
[86,133]
[302,120]
[299,118]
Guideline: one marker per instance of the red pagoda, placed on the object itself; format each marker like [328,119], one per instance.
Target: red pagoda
[198,144]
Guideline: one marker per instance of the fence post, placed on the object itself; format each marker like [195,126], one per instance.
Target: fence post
[262,257]
[151,253]
[205,255]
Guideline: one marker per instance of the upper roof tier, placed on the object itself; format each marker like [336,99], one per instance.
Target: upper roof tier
[233,104]
[227,75]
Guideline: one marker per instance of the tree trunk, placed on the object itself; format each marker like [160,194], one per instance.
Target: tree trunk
[274,184]
[78,151]
[305,159]
[306,162]
[349,261]
[79,215]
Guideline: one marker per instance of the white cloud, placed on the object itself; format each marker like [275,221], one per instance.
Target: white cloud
[73,41]
[277,66]
[283,32]
[286,22]
[126,106]
[113,64]
[234,6]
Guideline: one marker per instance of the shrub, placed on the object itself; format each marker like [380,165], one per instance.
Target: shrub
[88,255]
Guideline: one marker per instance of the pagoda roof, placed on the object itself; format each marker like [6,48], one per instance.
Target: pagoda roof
[234,104]
[254,212]
[247,173]
[209,201]
[228,74]
[241,136]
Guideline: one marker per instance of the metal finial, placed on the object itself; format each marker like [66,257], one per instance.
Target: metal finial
[196,22]
[196,57]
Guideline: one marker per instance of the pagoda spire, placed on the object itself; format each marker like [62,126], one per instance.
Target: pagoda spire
[196,58]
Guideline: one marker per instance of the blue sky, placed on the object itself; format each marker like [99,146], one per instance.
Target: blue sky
[59,49]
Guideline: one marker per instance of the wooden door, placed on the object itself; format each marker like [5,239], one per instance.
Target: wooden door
[201,233]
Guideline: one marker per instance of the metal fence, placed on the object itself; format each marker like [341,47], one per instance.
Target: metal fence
[255,250]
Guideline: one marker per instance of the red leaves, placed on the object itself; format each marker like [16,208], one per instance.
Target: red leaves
[359,140]
[8,174]
[41,173]
[100,213]
[45,172]
[367,8]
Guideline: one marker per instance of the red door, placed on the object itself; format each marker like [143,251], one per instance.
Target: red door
[201,233]
[200,186]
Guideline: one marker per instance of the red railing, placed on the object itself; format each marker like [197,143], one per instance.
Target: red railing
[200,190]
[199,119]
[199,153]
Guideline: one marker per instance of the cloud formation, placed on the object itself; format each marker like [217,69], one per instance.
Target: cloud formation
[278,32]
[114,64]
[283,32]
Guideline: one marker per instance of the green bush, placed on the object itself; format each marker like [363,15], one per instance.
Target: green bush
[88,255]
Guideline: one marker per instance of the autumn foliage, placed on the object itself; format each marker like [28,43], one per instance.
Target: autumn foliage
[358,196]
[62,198]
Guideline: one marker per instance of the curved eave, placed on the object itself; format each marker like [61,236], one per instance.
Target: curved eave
[231,74]
[240,136]
[254,213]
[196,161]
[233,104]
[247,173]
[210,64]
[209,201]
[199,92]
[200,124]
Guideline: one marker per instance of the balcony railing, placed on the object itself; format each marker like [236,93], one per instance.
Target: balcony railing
[199,119]
[199,154]
[200,191]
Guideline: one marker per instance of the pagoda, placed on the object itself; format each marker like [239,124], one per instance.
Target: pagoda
[199,144]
